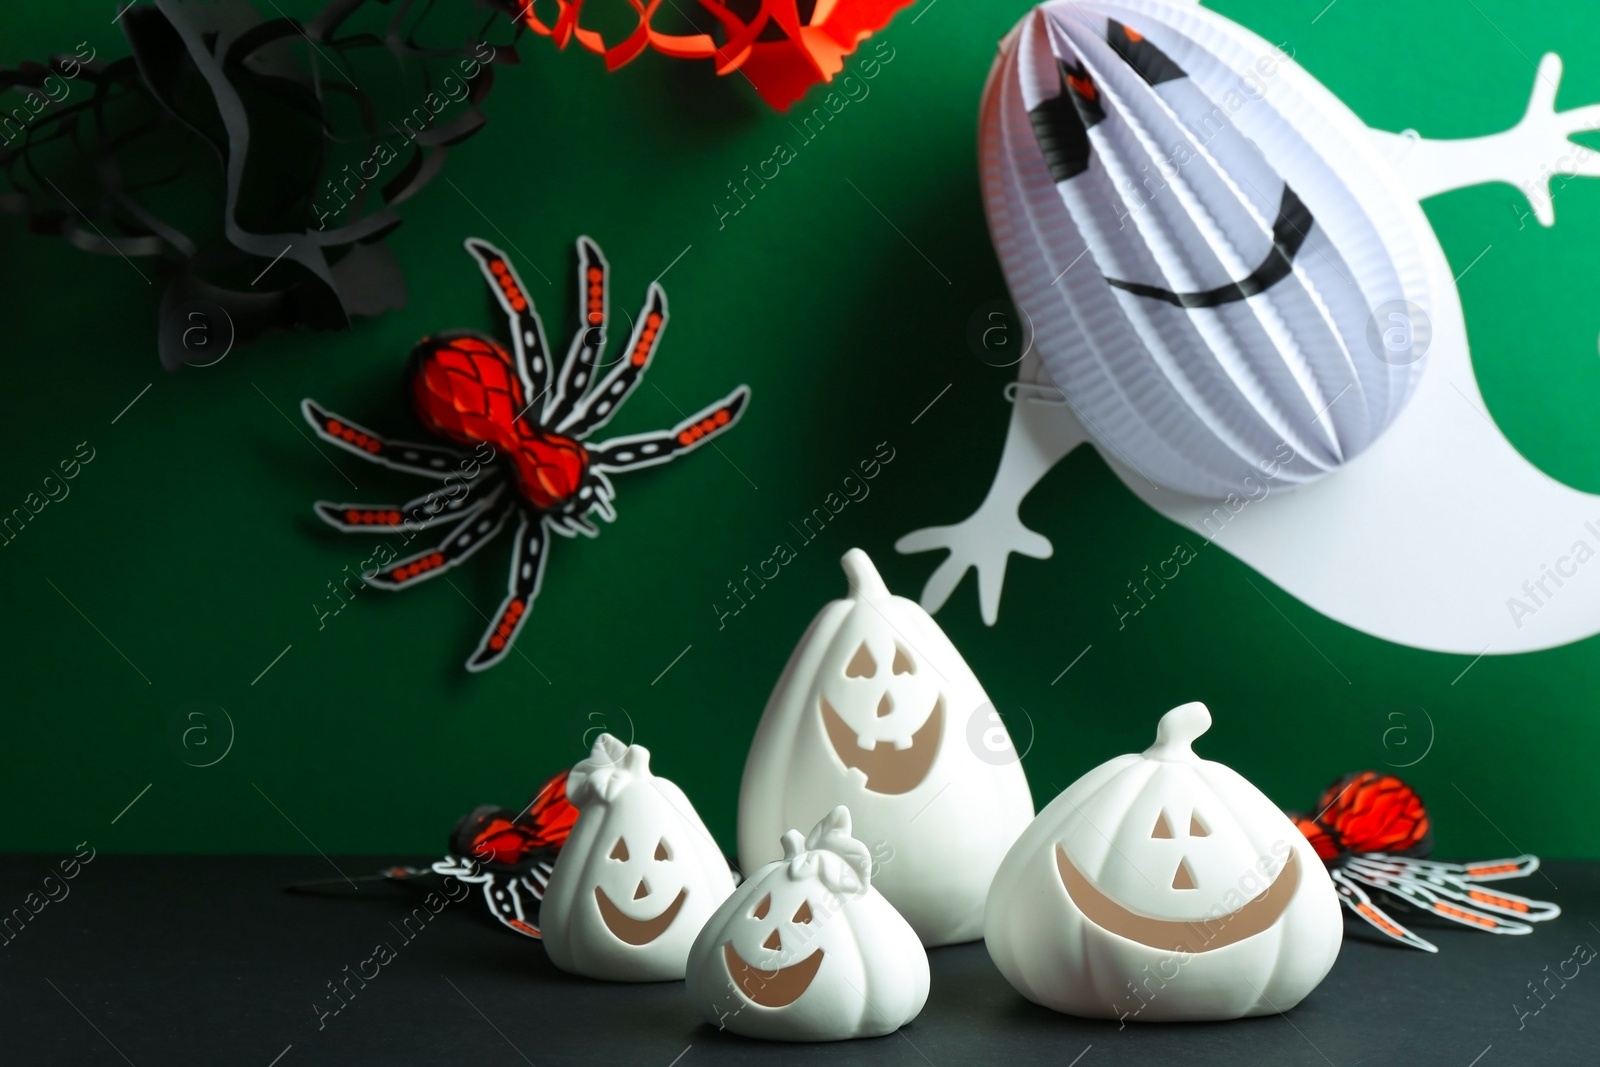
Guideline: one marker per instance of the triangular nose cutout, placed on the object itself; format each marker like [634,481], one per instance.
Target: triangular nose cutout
[1184,879]
[885,706]
[642,891]
[773,941]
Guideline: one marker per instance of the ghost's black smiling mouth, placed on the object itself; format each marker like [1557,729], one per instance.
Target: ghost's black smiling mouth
[637,931]
[888,769]
[1199,935]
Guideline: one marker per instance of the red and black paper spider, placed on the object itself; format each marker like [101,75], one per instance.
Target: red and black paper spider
[536,418]
[509,854]
[1371,829]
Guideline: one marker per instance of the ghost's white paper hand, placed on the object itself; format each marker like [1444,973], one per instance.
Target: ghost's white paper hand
[1041,432]
[1536,155]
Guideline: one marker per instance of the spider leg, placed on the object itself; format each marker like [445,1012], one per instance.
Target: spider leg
[593,309]
[604,400]
[430,461]
[1449,881]
[571,523]
[1428,899]
[527,332]
[1355,898]
[421,513]
[604,494]
[473,531]
[527,573]
[648,449]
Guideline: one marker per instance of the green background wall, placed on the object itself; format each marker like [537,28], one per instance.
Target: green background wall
[189,542]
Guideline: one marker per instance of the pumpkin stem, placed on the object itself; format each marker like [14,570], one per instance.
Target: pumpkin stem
[865,582]
[1177,731]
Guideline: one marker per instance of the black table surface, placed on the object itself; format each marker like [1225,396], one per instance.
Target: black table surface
[196,960]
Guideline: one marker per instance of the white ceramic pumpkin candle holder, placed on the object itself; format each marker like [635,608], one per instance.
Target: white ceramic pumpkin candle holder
[637,877]
[807,949]
[1162,887]
[876,710]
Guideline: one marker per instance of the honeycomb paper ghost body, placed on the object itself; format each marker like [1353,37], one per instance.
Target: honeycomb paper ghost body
[807,949]
[638,874]
[1162,887]
[877,711]
[1217,325]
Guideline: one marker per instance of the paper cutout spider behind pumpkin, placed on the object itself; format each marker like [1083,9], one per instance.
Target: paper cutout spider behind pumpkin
[535,417]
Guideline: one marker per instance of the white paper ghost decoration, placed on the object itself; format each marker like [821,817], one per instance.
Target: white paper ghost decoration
[1215,307]
[1162,887]
[877,710]
[637,877]
[807,949]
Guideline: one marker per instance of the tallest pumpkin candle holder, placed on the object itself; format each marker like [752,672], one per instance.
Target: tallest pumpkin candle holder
[877,711]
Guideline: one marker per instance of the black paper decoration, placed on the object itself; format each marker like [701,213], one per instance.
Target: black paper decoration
[252,164]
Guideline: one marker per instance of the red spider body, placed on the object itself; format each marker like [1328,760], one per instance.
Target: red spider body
[1368,812]
[537,414]
[466,389]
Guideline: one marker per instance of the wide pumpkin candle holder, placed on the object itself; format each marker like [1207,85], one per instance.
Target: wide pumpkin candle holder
[1163,887]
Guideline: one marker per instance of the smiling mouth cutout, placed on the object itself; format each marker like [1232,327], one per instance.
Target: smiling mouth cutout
[1199,935]
[637,931]
[771,989]
[888,769]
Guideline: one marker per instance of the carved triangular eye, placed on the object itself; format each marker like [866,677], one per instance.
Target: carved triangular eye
[620,852]
[1162,829]
[661,850]
[762,908]
[902,662]
[861,665]
[1196,827]
[803,913]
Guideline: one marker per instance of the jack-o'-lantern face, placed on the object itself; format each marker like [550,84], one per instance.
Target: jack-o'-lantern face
[806,949]
[1155,864]
[790,922]
[638,876]
[1195,932]
[882,714]
[878,711]
[621,867]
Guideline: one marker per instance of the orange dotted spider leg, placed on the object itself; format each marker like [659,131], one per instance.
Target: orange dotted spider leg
[648,449]
[1355,898]
[475,529]
[527,574]
[594,309]
[528,344]
[420,513]
[612,391]
[1437,900]
[432,461]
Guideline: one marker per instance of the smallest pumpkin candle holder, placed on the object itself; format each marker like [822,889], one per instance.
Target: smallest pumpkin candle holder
[807,950]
